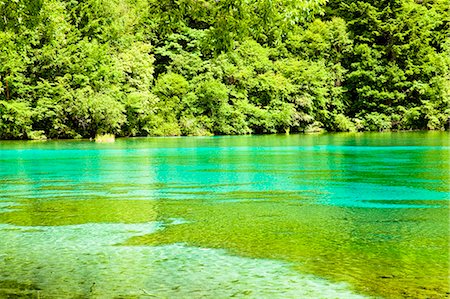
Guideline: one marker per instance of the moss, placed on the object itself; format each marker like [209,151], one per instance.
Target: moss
[12,289]
[399,254]
[375,253]
[68,212]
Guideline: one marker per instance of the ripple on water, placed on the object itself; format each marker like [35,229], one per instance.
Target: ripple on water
[83,260]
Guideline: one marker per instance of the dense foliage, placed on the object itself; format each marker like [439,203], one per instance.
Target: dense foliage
[71,69]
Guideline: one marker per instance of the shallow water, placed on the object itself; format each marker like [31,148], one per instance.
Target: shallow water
[300,216]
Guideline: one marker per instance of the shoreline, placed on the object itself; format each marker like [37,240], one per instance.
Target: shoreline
[241,135]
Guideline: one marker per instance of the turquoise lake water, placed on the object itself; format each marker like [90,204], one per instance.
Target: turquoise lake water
[297,216]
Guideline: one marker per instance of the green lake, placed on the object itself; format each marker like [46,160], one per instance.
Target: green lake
[277,216]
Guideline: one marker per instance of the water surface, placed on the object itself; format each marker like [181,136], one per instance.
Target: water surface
[300,216]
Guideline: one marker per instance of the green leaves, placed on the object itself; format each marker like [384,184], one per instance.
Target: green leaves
[398,50]
[195,67]
[19,15]
[15,120]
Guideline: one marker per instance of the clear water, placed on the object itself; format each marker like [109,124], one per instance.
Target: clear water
[300,216]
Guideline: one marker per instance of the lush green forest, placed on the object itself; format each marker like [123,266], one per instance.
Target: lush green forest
[73,68]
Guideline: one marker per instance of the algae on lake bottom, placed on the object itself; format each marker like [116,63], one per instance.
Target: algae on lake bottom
[377,251]
[366,212]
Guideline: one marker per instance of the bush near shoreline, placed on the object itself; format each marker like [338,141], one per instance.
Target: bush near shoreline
[77,69]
